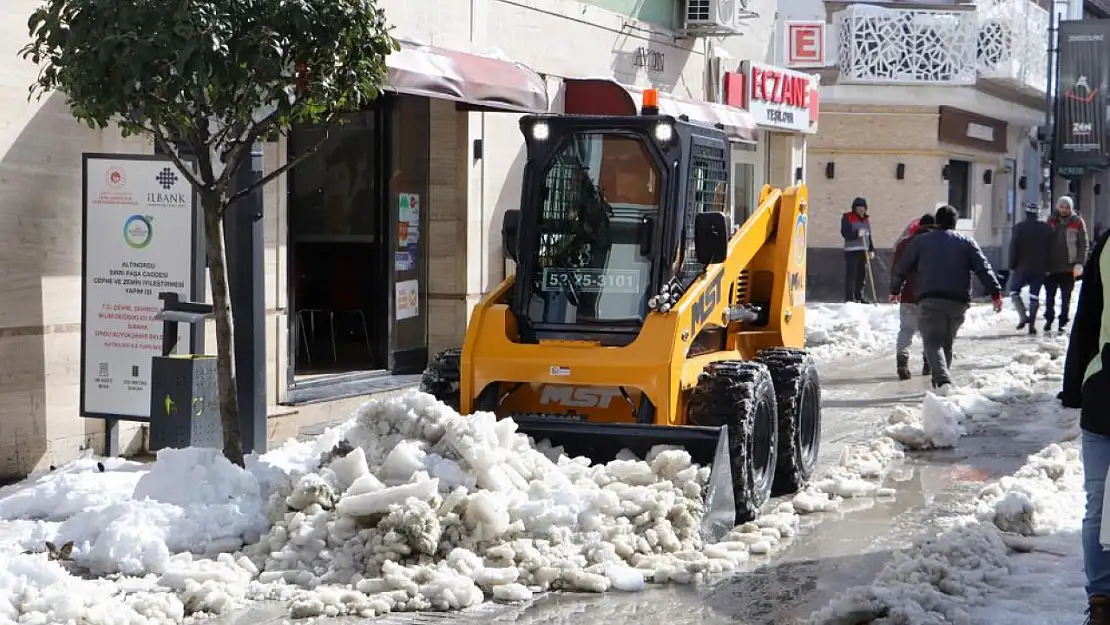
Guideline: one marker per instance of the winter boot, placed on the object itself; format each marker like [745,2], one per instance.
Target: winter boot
[1048,325]
[1019,306]
[1033,305]
[1098,611]
[1062,325]
[926,370]
[903,363]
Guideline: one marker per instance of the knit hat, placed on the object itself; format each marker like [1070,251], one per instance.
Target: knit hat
[859,202]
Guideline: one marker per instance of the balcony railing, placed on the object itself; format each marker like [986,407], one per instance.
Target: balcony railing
[914,46]
[998,40]
[1013,43]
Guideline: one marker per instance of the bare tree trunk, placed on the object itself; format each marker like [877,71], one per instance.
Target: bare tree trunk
[221,301]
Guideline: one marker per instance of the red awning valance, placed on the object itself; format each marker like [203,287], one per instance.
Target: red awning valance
[601,96]
[478,82]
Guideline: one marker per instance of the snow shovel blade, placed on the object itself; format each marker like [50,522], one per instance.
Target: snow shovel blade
[601,442]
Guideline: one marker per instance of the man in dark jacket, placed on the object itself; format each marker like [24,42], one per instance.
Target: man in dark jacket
[1029,249]
[907,307]
[1087,387]
[943,260]
[855,229]
[1065,260]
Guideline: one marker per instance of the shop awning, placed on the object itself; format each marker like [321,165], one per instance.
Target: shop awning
[601,96]
[476,82]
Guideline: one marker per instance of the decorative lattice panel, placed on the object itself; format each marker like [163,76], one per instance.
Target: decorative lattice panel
[1013,42]
[880,45]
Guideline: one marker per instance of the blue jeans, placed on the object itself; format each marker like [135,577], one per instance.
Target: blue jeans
[1096,561]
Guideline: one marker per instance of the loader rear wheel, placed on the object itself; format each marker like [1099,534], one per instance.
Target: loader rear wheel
[798,389]
[740,395]
[441,377]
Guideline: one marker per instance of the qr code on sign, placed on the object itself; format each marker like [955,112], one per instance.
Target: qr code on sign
[103,369]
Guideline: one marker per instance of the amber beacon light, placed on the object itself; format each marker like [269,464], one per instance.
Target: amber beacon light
[651,102]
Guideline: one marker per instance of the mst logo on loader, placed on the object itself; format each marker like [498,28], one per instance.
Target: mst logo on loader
[578,396]
[705,304]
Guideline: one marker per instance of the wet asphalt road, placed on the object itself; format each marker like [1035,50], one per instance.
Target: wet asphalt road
[833,551]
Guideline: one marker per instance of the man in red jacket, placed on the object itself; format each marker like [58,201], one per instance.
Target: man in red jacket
[907,307]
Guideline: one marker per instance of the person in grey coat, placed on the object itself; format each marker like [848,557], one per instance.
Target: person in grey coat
[1030,245]
[942,262]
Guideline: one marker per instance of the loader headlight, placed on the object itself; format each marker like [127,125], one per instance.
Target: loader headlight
[541,131]
[664,132]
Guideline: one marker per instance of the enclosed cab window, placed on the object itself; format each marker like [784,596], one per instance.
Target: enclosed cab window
[600,191]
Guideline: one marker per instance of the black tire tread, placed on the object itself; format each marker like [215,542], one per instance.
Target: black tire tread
[789,369]
[728,393]
[441,377]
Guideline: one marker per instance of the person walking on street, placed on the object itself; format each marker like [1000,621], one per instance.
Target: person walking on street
[907,307]
[1029,251]
[855,228]
[1065,260]
[943,261]
[1087,388]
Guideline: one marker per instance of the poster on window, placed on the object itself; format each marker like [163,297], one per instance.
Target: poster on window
[140,235]
[408,299]
[1082,82]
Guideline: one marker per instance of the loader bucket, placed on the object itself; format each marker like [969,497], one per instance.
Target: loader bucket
[601,442]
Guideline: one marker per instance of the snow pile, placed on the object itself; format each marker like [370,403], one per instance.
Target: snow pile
[858,473]
[1016,381]
[1044,497]
[408,506]
[934,582]
[948,579]
[942,420]
[839,330]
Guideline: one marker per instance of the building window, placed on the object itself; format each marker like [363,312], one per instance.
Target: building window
[959,187]
[335,246]
[746,168]
[357,222]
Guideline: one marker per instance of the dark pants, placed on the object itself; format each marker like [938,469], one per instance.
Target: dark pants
[939,320]
[1020,279]
[1064,282]
[855,271]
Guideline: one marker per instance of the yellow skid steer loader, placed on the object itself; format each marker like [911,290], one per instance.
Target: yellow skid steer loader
[640,315]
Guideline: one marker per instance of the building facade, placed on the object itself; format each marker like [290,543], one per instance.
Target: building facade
[921,105]
[377,248]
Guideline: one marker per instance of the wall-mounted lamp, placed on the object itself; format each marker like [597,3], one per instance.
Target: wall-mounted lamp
[900,171]
[944,173]
[798,174]
[830,170]
[988,176]
[1098,189]
[1023,182]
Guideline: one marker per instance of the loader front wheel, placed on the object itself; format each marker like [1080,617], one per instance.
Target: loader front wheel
[441,377]
[740,396]
[798,389]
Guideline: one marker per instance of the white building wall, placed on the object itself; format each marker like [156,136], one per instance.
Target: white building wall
[40,178]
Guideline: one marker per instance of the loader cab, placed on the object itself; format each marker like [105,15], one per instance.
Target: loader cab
[607,217]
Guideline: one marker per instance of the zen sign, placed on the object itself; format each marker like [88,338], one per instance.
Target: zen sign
[776,97]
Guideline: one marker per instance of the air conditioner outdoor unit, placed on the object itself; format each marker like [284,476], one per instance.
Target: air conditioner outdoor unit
[714,17]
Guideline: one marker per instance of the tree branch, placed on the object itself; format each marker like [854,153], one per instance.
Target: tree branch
[264,180]
[234,156]
[171,150]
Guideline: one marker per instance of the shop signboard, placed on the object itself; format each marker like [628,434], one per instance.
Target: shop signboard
[805,41]
[778,99]
[1083,78]
[140,237]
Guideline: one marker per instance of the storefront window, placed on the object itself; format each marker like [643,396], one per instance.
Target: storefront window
[335,241]
[744,190]
[357,242]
